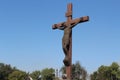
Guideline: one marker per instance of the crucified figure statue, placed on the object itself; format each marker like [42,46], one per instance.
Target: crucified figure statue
[67,27]
[66,40]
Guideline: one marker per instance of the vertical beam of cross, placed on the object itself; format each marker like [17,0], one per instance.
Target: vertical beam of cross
[69,19]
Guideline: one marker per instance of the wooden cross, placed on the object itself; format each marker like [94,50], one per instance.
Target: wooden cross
[67,38]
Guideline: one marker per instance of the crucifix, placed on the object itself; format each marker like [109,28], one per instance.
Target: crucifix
[67,37]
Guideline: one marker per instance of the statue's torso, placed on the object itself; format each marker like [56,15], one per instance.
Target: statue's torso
[67,34]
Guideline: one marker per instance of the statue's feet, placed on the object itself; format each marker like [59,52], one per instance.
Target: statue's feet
[66,61]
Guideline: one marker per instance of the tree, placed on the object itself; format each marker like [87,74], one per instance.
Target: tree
[111,72]
[35,75]
[5,70]
[48,74]
[78,72]
[17,75]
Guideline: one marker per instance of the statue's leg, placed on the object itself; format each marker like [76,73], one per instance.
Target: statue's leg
[65,44]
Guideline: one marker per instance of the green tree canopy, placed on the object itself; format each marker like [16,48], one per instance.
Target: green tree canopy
[5,70]
[111,72]
[35,75]
[17,75]
[48,74]
[78,72]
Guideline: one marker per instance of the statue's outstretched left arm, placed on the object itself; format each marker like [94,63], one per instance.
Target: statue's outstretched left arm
[79,20]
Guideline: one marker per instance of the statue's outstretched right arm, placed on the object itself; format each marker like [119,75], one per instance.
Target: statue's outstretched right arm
[60,26]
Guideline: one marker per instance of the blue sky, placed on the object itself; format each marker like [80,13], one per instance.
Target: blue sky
[28,42]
